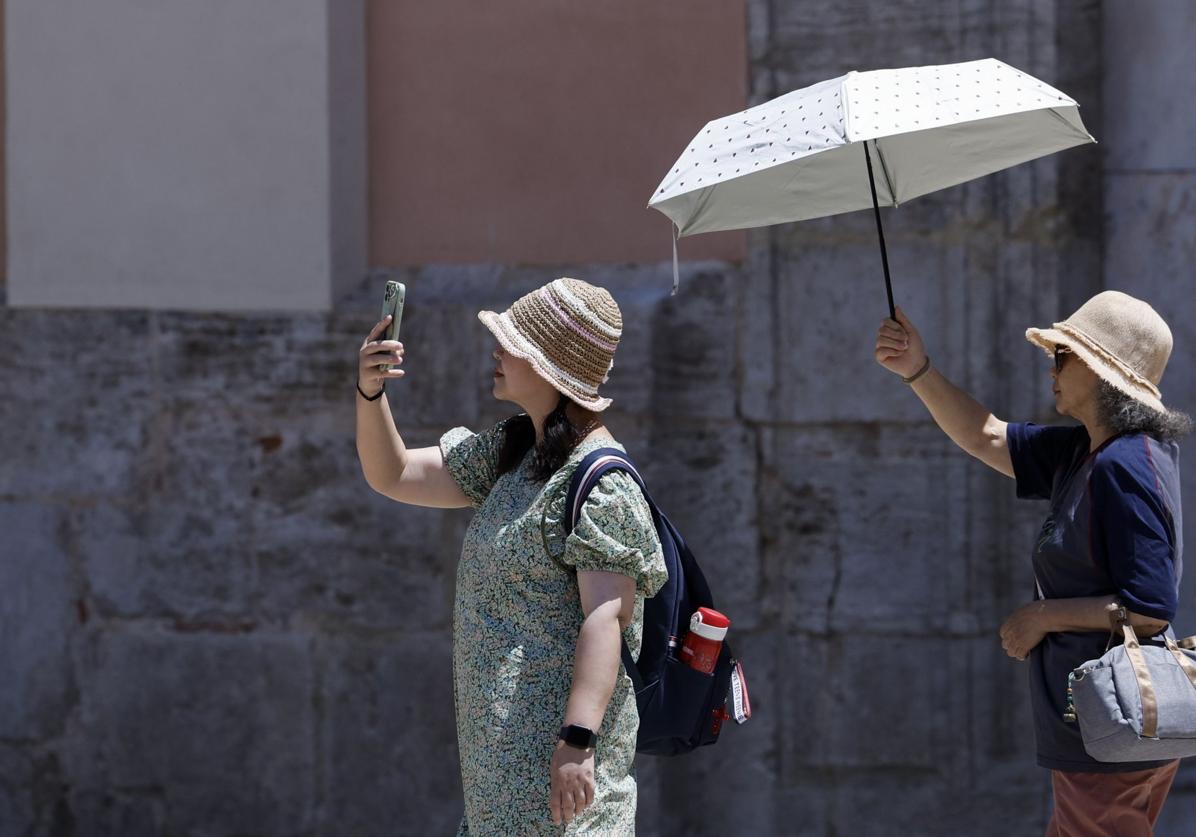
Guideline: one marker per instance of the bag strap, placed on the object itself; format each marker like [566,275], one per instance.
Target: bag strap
[1150,703]
[1119,617]
[587,476]
[1185,662]
[589,472]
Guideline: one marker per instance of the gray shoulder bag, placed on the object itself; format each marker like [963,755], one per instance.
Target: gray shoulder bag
[1137,702]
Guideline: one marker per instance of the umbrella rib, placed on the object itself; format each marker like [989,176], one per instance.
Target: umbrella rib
[1072,128]
[884,169]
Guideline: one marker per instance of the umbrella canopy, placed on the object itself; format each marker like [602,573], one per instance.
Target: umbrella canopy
[802,155]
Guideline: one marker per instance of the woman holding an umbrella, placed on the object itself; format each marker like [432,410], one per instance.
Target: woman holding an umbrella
[1113,534]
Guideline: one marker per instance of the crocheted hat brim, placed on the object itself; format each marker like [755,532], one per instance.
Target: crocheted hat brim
[514,343]
[1107,366]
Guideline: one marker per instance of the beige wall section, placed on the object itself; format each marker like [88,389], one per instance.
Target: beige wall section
[534,132]
[178,154]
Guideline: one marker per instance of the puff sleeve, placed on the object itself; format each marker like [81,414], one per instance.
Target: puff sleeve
[615,534]
[472,459]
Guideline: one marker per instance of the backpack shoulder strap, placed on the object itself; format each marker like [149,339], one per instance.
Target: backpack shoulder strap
[589,472]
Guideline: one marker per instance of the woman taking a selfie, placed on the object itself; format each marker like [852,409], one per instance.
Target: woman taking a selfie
[546,718]
[1113,533]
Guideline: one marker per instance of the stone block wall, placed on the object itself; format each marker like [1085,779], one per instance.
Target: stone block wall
[209,625]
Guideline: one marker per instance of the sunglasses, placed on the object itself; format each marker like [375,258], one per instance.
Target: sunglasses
[1061,354]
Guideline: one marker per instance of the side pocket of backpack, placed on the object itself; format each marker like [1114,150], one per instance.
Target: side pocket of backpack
[709,731]
[672,709]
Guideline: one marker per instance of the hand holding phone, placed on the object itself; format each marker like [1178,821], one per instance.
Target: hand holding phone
[374,361]
[393,298]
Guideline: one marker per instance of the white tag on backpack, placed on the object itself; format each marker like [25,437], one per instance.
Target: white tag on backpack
[741,704]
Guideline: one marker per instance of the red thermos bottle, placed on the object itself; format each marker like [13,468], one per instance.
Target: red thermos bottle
[707,629]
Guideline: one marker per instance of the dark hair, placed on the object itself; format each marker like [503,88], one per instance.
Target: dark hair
[1120,413]
[560,438]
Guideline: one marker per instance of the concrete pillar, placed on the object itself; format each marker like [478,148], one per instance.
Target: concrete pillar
[180,155]
[1150,185]
[1150,240]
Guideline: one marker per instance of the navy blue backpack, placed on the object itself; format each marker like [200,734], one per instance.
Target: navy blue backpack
[680,709]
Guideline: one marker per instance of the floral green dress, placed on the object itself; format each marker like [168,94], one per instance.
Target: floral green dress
[515,628]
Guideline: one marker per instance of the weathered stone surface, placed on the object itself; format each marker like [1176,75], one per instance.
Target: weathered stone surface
[847,547]
[823,40]
[117,813]
[814,41]
[333,550]
[16,791]
[703,476]
[221,727]
[182,546]
[77,399]
[693,365]
[827,302]
[1148,64]
[970,286]
[223,361]
[1001,802]
[34,798]
[167,559]
[872,703]
[37,613]
[388,736]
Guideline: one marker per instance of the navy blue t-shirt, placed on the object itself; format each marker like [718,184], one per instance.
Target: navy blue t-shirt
[1114,528]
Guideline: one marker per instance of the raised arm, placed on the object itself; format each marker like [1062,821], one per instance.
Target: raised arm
[899,348]
[417,477]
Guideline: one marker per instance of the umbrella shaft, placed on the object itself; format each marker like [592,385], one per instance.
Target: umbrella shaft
[880,231]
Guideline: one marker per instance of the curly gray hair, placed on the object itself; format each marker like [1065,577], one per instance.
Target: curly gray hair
[1120,414]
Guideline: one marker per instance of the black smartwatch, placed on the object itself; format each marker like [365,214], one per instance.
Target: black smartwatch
[579,737]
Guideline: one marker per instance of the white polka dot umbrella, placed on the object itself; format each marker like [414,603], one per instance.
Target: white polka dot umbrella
[810,153]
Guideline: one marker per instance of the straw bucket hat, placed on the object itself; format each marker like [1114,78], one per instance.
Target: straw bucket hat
[568,330]
[1120,338]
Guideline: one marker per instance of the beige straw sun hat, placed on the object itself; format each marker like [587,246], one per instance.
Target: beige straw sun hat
[1120,338]
[568,330]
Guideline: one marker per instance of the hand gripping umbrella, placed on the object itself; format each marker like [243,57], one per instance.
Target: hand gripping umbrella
[812,152]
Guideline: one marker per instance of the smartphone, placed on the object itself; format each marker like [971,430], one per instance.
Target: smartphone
[392,303]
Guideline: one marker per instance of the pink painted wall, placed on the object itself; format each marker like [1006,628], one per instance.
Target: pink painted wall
[534,132]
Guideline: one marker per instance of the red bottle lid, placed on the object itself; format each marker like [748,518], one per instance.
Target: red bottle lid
[709,624]
[713,618]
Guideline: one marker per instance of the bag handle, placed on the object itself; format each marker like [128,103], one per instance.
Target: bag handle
[1119,617]
[1185,662]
